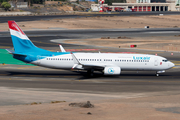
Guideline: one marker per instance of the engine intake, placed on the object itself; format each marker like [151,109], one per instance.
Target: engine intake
[112,71]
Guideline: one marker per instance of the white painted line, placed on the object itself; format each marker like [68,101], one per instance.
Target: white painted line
[163,32]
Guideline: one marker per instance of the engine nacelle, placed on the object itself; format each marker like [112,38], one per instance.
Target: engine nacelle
[112,71]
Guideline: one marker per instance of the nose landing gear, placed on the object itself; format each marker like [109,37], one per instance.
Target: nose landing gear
[157,73]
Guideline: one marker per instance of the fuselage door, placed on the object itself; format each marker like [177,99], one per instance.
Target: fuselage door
[155,61]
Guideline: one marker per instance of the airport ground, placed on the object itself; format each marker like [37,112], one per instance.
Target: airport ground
[98,22]
[133,95]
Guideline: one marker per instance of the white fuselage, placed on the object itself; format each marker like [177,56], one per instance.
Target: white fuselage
[124,61]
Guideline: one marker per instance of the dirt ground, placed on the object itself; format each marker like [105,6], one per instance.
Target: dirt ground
[167,21]
[145,108]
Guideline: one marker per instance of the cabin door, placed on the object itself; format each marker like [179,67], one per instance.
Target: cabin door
[155,61]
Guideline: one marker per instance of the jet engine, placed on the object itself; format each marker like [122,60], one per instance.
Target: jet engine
[112,71]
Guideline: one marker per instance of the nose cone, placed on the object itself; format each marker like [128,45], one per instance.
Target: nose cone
[171,64]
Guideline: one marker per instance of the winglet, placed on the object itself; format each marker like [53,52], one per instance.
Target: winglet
[62,49]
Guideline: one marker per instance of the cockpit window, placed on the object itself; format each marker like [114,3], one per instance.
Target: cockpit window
[165,60]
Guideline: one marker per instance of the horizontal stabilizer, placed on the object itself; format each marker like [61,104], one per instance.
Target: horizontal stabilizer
[12,52]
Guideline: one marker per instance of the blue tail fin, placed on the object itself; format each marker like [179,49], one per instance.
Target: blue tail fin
[21,42]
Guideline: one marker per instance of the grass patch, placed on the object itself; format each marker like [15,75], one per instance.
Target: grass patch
[7,58]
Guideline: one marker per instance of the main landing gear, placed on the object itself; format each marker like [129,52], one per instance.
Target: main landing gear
[157,74]
[90,72]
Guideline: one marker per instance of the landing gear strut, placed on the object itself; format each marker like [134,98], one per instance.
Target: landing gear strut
[157,72]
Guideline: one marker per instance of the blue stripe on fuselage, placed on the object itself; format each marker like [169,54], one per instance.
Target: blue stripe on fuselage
[31,56]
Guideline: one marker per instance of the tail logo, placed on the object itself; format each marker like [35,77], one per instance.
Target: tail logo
[14,26]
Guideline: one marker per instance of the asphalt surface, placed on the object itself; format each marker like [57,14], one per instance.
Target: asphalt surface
[54,79]
[14,77]
[4,19]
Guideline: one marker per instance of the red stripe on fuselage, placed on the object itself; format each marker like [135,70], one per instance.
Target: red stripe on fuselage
[14,26]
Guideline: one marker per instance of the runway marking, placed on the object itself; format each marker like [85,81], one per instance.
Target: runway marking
[32,75]
[100,81]
[27,67]
[176,61]
[45,42]
[19,75]
[53,76]
[164,32]
[5,47]
[70,76]
[4,43]
[3,74]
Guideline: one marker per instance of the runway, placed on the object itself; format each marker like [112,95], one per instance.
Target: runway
[61,84]
[47,81]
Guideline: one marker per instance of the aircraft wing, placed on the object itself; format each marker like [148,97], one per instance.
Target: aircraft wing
[95,66]
[79,65]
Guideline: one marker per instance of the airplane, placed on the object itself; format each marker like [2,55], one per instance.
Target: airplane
[107,63]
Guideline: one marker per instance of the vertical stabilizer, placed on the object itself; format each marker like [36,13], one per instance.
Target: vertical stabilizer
[20,41]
